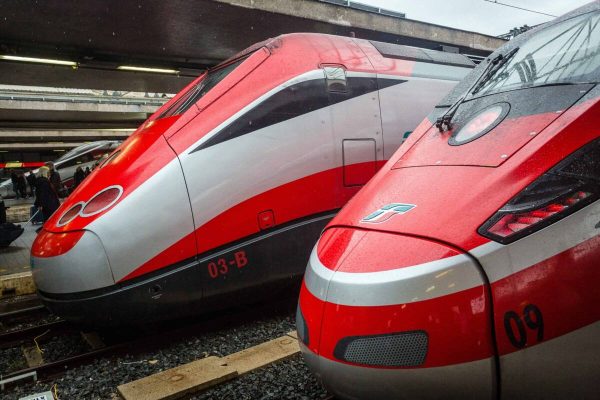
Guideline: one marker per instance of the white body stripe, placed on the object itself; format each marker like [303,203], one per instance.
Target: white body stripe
[356,382]
[145,222]
[84,267]
[397,286]
[453,274]
[500,261]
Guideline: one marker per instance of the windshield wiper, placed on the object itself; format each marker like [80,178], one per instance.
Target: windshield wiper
[559,84]
[489,71]
[498,62]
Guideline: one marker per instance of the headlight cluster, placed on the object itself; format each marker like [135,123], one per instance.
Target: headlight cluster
[101,201]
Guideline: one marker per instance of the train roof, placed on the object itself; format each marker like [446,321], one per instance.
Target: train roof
[386,50]
[390,50]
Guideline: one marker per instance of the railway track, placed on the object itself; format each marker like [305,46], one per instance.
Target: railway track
[21,311]
[126,341]
[21,307]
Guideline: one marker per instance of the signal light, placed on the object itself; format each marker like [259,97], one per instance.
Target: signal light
[70,214]
[511,224]
[564,189]
[102,201]
[483,122]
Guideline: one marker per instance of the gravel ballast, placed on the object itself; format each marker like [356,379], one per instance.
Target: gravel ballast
[99,380]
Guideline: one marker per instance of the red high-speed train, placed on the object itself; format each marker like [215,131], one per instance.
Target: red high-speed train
[220,195]
[468,266]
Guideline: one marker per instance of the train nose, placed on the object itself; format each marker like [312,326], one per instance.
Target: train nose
[63,263]
[384,315]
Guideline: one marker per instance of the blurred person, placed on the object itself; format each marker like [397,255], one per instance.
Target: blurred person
[54,177]
[87,171]
[2,211]
[31,179]
[78,177]
[46,198]
[13,179]
[22,185]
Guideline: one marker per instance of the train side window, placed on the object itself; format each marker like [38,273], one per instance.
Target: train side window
[335,76]
[292,101]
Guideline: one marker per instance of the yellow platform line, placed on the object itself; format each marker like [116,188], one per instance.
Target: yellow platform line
[16,284]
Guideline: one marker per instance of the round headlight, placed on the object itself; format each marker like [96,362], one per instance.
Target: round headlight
[70,214]
[102,201]
[480,124]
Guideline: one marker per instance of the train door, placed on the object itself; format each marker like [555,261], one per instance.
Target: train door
[356,125]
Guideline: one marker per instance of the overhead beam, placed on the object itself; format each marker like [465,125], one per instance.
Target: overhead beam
[56,105]
[39,146]
[27,74]
[70,134]
[348,17]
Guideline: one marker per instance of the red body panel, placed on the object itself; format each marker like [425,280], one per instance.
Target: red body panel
[488,188]
[562,287]
[527,300]
[457,325]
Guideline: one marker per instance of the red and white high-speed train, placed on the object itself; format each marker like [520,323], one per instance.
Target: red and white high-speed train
[468,266]
[221,194]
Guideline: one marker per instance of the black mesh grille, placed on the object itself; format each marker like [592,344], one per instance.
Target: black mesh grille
[405,349]
[301,327]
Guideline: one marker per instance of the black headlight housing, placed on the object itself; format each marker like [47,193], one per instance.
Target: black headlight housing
[566,188]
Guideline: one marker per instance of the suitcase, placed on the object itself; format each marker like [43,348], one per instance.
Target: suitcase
[8,233]
[39,217]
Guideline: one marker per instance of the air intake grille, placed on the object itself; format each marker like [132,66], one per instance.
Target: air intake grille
[406,349]
[301,327]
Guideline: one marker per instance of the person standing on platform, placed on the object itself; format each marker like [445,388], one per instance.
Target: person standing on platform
[54,178]
[79,177]
[46,198]
[87,171]
[2,211]
[22,185]
[31,181]
[15,184]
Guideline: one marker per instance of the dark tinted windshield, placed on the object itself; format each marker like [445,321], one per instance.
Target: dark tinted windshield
[197,91]
[566,52]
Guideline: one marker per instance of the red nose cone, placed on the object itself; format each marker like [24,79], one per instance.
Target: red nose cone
[48,244]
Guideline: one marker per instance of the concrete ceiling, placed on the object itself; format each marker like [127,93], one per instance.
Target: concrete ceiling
[186,35]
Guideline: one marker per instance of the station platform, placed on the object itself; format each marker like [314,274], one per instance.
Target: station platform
[15,258]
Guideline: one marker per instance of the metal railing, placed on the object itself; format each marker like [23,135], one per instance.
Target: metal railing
[66,95]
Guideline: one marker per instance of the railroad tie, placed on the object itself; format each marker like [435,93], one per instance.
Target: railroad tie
[202,374]
[33,356]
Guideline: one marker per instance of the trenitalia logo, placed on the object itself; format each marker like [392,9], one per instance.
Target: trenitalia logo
[387,212]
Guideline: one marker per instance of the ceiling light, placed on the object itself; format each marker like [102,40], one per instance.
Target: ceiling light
[38,60]
[146,69]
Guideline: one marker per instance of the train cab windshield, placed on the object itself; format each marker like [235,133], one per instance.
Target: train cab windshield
[565,53]
[196,92]
[78,151]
